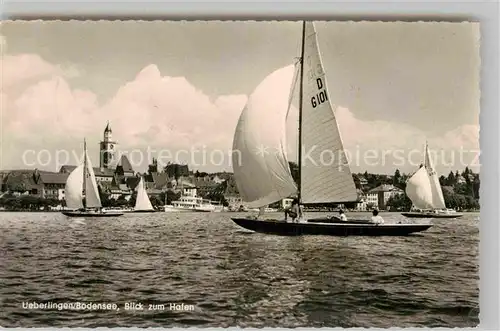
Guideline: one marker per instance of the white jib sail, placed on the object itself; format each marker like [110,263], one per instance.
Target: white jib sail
[142,201]
[260,166]
[73,191]
[418,189]
[325,175]
[92,199]
[437,192]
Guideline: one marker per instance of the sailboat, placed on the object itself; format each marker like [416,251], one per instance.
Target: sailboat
[142,202]
[260,161]
[424,191]
[82,179]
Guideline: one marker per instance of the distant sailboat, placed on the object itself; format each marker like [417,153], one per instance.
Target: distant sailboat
[142,202]
[82,179]
[426,194]
[261,167]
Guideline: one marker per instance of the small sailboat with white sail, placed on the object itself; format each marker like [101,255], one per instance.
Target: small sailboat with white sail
[425,192]
[81,192]
[142,202]
[260,161]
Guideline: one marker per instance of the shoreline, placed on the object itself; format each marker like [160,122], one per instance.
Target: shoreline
[309,211]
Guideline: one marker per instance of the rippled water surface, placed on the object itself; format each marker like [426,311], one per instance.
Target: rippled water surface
[231,276]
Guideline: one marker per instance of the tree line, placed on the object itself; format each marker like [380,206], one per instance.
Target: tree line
[460,190]
[27,202]
[35,203]
[161,199]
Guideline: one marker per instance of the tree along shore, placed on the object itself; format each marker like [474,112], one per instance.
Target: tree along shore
[460,191]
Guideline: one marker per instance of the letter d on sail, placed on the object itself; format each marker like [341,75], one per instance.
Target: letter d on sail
[320,83]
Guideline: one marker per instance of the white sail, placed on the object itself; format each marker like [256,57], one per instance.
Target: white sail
[325,172]
[437,192]
[418,189]
[260,165]
[73,190]
[142,201]
[92,199]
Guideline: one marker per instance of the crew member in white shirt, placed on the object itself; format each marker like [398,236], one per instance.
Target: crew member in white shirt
[376,218]
[342,216]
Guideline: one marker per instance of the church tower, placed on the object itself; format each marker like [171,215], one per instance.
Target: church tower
[107,149]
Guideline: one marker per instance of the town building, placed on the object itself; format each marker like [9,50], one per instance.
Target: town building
[53,185]
[22,182]
[204,185]
[362,204]
[286,203]
[115,192]
[189,189]
[362,181]
[101,175]
[177,170]
[379,196]
[119,179]
[234,202]
[124,168]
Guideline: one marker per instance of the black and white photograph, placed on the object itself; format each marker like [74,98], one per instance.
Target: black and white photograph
[239,173]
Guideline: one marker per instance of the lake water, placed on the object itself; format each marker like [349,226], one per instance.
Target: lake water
[229,276]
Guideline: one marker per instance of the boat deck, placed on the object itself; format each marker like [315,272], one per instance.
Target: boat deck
[317,227]
[91,214]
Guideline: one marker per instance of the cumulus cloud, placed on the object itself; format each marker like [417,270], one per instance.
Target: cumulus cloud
[171,111]
[3,44]
[402,145]
[151,112]
[20,71]
[382,146]
[40,110]
[25,67]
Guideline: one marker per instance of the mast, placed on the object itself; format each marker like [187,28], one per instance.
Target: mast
[425,155]
[299,182]
[85,171]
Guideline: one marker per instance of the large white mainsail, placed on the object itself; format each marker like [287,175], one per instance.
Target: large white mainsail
[325,172]
[260,165]
[418,189]
[142,201]
[92,199]
[437,192]
[73,190]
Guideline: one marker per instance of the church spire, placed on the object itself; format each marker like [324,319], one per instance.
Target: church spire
[108,128]
[107,149]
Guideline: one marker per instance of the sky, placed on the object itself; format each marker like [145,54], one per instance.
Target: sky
[176,86]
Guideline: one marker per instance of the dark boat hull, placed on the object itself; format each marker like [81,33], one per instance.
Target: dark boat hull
[351,228]
[430,215]
[143,211]
[90,214]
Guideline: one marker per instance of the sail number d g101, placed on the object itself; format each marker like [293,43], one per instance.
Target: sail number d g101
[321,96]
